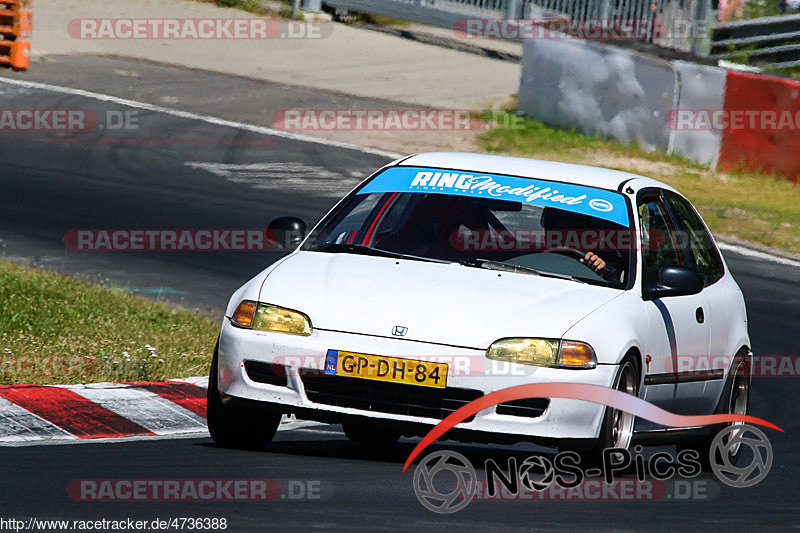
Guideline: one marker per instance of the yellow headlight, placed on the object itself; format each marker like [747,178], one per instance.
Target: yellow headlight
[279,320]
[537,352]
[543,352]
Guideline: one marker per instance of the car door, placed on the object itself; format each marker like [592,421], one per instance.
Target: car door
[679,331]
[722,300]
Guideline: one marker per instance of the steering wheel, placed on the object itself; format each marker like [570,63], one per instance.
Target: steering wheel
[574,253]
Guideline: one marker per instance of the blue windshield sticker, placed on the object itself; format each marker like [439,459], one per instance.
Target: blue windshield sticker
[599,203]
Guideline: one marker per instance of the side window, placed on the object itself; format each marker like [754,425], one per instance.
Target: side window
[658,241]
[696,238]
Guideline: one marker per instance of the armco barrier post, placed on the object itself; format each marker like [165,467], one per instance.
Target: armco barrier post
[312,6]
[511,10]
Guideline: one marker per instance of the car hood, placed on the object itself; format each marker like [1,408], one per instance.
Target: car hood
[438,303]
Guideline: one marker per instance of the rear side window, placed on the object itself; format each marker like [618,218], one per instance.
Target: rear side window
[695,239]
[658,247]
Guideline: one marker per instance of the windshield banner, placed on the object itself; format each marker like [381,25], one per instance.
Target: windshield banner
[600,203]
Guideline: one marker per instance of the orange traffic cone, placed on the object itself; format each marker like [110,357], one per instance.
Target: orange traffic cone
[20,57]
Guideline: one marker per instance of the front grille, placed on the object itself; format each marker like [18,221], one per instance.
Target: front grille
[266,373]
[381,397]
[529,407]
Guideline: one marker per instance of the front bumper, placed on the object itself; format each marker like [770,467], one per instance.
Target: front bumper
[468,370]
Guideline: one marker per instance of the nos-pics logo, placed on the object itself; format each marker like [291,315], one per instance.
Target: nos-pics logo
[446,482]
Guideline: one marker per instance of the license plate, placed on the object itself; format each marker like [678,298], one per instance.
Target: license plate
[391,369]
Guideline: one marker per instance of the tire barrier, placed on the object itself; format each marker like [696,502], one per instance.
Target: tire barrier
[16,29]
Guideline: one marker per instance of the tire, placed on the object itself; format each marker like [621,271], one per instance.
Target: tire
[617,428]
[735,399]
[235,426]
[370,435]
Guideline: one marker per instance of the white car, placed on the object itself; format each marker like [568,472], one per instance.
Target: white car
[447,276]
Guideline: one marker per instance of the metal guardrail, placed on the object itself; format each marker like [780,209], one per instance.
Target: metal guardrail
[444,13]
[680,24]
[768,41]
[684,22]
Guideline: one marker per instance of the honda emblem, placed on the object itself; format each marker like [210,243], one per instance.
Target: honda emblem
[399,331]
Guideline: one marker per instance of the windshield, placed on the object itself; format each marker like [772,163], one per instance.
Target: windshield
[500,227]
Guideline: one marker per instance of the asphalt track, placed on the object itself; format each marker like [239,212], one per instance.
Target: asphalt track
[54,182]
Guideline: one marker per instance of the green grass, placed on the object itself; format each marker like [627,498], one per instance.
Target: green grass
[376,20]
[253,6]
[55,329]
[752,206]
[761,8]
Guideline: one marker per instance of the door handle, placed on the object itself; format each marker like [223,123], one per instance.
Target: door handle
[700,315]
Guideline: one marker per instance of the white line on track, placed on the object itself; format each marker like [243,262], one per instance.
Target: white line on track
[757,254]
[283,176]
[194,116]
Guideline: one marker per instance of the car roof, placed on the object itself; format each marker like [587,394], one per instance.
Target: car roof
[599,177]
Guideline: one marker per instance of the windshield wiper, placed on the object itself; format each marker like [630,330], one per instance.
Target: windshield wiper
[505,267]
[360,249]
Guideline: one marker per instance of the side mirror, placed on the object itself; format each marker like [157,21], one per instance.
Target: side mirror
[675,280]
[287,232]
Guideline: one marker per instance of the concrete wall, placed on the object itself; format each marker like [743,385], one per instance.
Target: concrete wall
[598,89]
[617,93]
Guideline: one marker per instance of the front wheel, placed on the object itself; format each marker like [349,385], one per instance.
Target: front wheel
[617,428]
[235,426]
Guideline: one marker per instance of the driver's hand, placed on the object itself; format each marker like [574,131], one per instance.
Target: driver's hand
[594,261]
